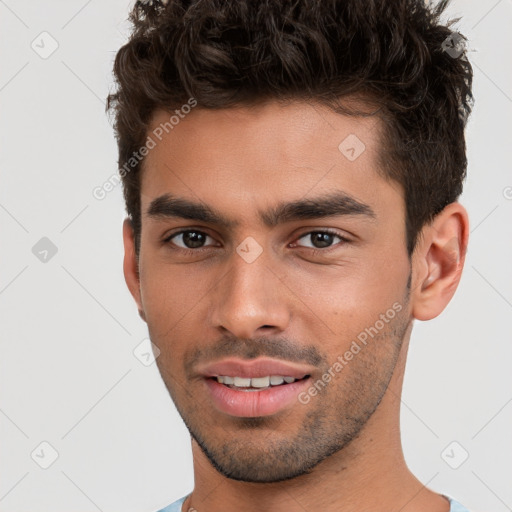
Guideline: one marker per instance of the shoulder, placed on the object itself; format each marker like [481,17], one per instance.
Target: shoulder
[174,507]
[455,506]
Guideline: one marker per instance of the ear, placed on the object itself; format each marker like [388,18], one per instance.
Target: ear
[438,261]
[131,265]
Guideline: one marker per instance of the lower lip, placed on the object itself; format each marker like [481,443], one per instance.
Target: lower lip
[250,404]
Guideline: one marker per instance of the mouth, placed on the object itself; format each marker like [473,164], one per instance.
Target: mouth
[251,388]
[256,383]
[255,397]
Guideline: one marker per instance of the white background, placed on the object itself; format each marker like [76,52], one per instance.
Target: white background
[68,327]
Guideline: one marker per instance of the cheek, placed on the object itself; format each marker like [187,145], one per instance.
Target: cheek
[167,294]
[350,301]
[385,276]
[176,301]
[349,291]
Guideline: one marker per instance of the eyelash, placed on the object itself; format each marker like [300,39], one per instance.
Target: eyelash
[312,250]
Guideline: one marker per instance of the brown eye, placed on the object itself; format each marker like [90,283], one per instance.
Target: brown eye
[320,239]
[189,239]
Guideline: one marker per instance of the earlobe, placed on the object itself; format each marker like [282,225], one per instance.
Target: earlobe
[439,261]
[130,265]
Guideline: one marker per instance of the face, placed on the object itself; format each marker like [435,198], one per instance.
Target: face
[273,259]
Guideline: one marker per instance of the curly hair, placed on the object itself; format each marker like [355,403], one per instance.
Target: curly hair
[225,53]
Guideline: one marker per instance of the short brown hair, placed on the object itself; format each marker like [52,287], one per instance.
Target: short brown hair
[225,53]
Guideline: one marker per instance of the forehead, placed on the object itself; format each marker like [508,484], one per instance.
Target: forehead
[260,155]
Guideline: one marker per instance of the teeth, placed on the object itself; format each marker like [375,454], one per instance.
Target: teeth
[241,382]
[255,382]
[260,382]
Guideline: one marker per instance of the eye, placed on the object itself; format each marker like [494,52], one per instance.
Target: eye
[190,239]
[320,239]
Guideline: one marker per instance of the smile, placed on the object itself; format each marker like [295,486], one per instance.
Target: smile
[255,383]
[255,397]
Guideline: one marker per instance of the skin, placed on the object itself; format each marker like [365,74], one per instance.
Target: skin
[341,451]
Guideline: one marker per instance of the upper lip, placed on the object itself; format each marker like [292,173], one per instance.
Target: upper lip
[260,367]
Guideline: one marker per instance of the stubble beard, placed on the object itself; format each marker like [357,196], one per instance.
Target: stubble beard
[268,449]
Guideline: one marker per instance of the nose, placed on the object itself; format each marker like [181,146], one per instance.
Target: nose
[250,300]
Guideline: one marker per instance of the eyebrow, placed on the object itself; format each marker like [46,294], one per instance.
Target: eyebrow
[330,205]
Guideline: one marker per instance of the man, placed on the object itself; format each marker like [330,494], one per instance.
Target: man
[291,172]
